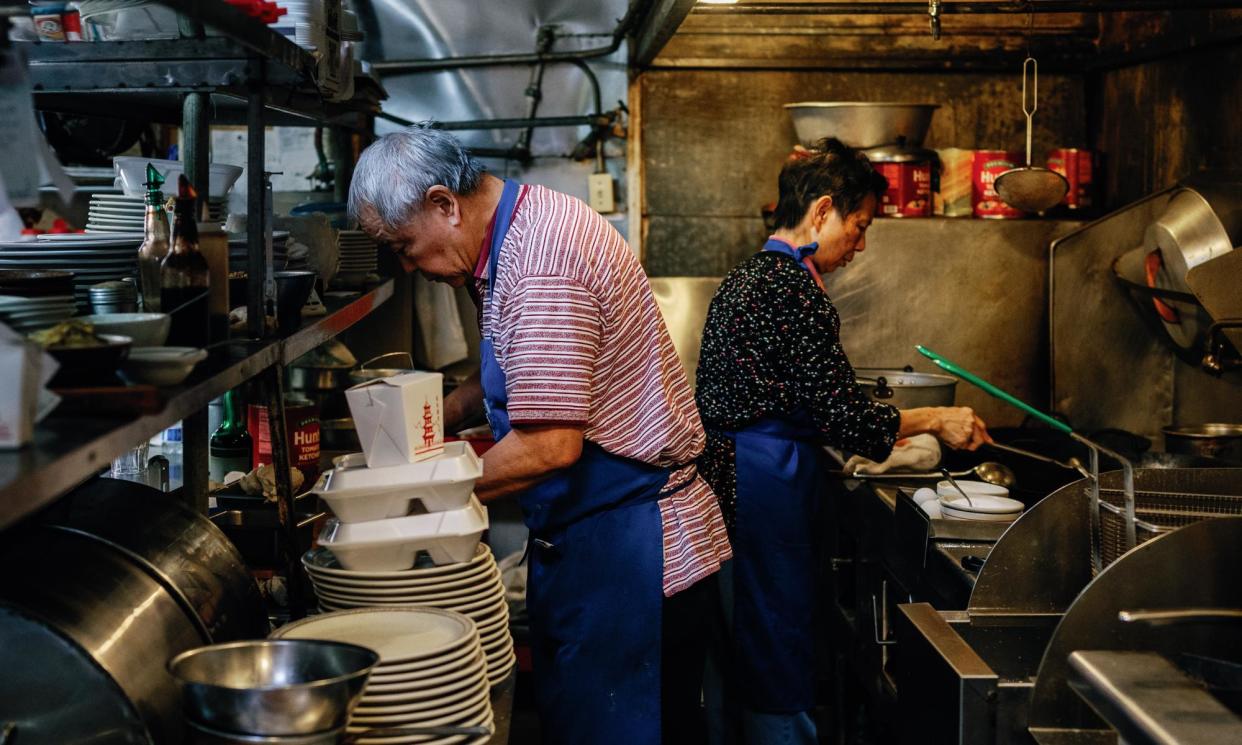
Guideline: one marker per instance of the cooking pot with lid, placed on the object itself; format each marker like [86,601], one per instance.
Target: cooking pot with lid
[1214,440]
[906,389]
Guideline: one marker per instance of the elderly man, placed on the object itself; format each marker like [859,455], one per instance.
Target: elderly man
[596,433]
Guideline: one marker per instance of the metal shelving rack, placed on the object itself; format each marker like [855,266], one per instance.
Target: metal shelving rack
[247,75]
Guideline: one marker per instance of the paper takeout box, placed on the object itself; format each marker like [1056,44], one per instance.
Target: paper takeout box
[24,401]
[399,419]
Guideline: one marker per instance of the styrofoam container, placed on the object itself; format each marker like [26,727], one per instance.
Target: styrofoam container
[357,494]
[392,545]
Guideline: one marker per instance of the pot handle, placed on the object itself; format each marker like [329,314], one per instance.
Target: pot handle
[406,355]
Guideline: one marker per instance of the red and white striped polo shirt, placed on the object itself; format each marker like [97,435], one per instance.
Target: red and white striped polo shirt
[581,340]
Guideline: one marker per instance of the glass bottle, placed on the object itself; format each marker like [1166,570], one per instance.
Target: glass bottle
[154,242]
[230,445]
[184,276]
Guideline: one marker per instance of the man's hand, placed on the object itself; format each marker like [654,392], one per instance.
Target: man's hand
[463,404]
[526,456]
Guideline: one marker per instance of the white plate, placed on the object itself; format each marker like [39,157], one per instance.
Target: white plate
[7,301]
[420,691]
[321,560]
[417,712]
[396,634]
[484,607]
[479,582]
[466,659]
[981,504]
[472,575]
[388,674]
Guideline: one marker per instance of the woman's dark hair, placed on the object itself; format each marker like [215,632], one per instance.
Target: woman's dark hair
[833,169]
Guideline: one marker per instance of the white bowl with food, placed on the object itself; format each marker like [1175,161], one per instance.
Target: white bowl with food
[162,365]
[146,329]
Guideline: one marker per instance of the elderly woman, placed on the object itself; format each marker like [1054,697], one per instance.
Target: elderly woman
[596,433]
[774,384]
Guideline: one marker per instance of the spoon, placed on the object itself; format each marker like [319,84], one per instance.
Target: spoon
[996,473]
[945,472]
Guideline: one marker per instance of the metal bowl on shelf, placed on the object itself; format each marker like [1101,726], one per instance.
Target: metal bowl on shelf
[862,124]
[273,687]
[906,389]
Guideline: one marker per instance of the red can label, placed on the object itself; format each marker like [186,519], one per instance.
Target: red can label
[909,189]
[985,166]
[302,431]
[1078,168]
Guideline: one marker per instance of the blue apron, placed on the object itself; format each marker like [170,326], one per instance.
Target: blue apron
[779,479]
[594,588]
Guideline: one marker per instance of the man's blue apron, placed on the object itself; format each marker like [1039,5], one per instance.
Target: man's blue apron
[594,590]
[779,479]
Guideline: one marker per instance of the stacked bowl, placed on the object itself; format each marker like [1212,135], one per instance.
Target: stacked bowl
[431,673]
[987,502]
[359,257]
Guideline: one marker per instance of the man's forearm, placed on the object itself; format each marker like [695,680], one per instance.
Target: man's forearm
[526,456]
[463,403]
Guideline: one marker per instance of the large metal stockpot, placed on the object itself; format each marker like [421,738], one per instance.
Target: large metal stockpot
[905,389]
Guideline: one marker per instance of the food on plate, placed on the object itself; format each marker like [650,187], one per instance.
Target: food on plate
[69,333]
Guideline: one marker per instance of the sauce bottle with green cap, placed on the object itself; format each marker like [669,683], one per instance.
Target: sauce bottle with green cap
[155,242]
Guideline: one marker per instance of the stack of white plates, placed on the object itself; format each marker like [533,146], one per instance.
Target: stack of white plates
[431,671]
[26,314]
[472,588]
[359,256]
[91,258]
[239,259]
[987,503]
[117,213]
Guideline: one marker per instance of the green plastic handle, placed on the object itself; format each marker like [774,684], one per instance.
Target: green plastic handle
[1008,398]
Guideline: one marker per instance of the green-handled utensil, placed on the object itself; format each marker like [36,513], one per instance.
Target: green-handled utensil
[1126,467]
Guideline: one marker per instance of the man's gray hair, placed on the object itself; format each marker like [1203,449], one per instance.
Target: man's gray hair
[393,174]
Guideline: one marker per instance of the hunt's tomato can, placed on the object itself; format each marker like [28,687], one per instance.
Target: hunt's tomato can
[1078,168]
[301,431]
[909,189]
[985,166]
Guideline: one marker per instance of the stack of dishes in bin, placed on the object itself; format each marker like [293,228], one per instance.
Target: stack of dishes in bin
[432,671]
[409,535]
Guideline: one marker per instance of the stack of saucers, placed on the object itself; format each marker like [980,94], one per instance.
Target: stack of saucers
[359,257]
[431,671]
[118,213]
[26,314]
[472,588]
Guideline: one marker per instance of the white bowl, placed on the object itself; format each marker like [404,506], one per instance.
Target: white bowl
[146,329]
[946,491]
[981,504]
[131,173]
[162,365]
[949,512]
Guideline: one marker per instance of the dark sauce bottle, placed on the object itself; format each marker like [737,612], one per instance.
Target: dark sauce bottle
[184,276]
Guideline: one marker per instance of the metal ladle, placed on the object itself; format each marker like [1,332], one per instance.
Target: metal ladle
[1031,188]
[990,471]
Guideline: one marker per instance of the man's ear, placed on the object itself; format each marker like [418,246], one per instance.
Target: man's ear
[443,200]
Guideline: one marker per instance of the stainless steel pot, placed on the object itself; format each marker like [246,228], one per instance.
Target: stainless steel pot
[111,616]
[1223,441]
[177,547]
[861,124]
[905,389]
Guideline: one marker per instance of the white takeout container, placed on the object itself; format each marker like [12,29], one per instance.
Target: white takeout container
[399,419]
[357,494]
[392,545]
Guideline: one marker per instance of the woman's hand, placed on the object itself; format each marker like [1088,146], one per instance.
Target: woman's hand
[956,426]
[960,428]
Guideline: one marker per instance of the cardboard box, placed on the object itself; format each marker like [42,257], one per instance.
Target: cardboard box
[399,419]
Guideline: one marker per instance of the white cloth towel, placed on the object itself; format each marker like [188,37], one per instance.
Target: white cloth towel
[914,454]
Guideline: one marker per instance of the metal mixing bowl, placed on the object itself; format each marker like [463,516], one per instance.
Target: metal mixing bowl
[862,125]
[277,687]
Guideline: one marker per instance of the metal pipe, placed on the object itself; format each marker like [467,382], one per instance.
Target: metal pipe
[534,89]
[970,7]
[256,265]
[594,81]
[196,131]
[636,11]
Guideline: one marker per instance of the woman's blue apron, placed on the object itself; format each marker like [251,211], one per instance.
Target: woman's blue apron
[594,590]
[779,479]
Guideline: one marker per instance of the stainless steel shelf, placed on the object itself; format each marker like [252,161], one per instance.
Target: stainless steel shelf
[68,450]
[148,79]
